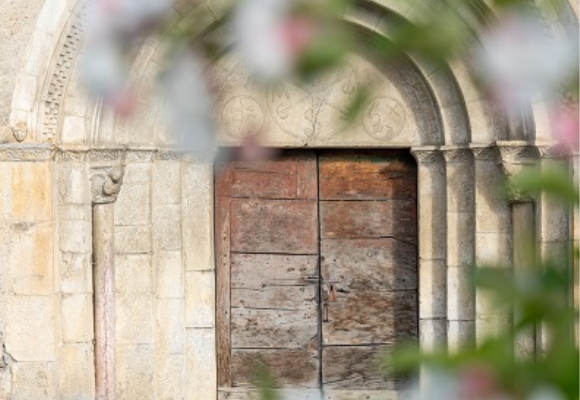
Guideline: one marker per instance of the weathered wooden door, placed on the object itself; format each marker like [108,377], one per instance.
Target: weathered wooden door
[316,270]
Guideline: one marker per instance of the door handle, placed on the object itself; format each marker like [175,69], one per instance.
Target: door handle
[330,290]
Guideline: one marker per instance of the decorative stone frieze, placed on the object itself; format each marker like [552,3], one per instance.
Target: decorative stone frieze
[26,152]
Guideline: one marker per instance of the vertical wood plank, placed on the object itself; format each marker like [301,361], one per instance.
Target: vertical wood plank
[223,291]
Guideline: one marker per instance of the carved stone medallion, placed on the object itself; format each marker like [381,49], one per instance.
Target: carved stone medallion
[384,118]
[242,116]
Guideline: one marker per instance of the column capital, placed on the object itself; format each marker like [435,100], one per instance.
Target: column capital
[457,154]
[484,152]
[557,152]
[427,155]
[106,183]
[516,156]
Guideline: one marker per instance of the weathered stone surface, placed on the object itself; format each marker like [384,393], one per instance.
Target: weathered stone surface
[135,370]
[33,380]
[166,182]
[76,318]
[75,273]
[460,335]
[201,364]
[170,377]
[133,206]
[26,191]
[432,334]
[30,328]
[200,299]
[134,319]
[31,262]
[132,239]
[167,227]
[170,326]
[73,187]
[74,212]
[76,372]
[137,173]
[75,236]
[133,273]
[460,293]
[197,216]
[432,289]
[170,274]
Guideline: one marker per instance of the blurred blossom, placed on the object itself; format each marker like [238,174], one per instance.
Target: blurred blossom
[472,382]
[546,393]
[270,37]
[128,17]
[252,149]
[436,384]
[104,70]
[115,30]
[478,382]
[566,126]
[519,60]
[187,103]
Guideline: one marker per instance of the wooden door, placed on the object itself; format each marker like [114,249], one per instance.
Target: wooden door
[316,270]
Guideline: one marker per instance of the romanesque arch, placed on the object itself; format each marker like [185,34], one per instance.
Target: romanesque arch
[158,227]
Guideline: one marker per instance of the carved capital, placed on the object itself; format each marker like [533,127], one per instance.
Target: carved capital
[427,156]
[457,155]
[554,152]
[106,184]
[485,153]
[514,159]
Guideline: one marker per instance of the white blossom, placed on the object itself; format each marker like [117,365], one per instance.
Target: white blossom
[546,393]
[520,60]
[258,27]
[187,104]
[104,69]
[127,17]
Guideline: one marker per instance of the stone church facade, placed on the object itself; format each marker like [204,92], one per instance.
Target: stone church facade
[87,199]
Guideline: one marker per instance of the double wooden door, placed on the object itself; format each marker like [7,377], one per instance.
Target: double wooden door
[316,270]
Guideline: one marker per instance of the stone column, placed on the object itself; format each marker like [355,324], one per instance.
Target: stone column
[460,247]
[493,233]
[431,201]
[515,157]
[106,183]
[554,224]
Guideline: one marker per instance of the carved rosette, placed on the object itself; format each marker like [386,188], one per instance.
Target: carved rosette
[106,184]
[514,159]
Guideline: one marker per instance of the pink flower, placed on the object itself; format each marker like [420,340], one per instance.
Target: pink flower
[478,382]
[271,38]
[252,149]
[115,30]
[187,104]
[520,60]
[566,126]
